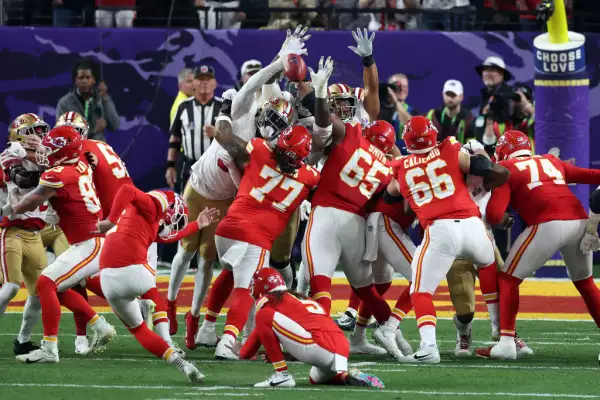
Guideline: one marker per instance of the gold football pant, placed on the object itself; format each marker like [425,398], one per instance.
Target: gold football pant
[22,257]
[204,241]
[53,237]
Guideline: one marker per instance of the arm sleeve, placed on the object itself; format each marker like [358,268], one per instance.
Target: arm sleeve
[251,347]
[129,194]
[575,174]
[497,205]
[243,101]
[110,112]
[189,229]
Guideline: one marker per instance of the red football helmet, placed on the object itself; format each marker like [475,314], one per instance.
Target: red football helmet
[61,145]
[513,144]
[175,216]
[292,148]
[266,280]
[382,134]
[420,135]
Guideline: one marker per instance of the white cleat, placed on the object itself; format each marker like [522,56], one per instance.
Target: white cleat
[103,332]
[387,339]
[207,337]
[427,354]
[504,350]
[522,349]
[463,345]
[178,350]
[187,368]
[43,355]
[278,379]
[82,345]
[403,345]
[360,345]
[222,352]
[147,307]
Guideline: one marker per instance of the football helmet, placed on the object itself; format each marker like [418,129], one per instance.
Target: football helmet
[343,100]
[25,125]
[513,144]
[382,134]
[420,135]
[76,120]
[266,280]
[175,216]
[292,148]
[274,117]
[61,145]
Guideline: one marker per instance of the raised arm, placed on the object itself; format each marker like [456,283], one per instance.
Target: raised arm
[364,49]
[235,146]
[494,175]
[31,201]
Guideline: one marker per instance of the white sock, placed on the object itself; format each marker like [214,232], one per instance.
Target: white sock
[494,311]
[31,316]
[7,292]
[427,333]
[463,329]
[202,282]
[179,267]
[360,330]
[303,280]
[507,339]
[288,275]
[162,329]
[208,324]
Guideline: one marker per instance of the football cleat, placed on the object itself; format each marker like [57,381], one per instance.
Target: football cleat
[278,379]
[503,350]
[24,348]
[463,345]
[357,378]
[82,345]
[402,343]
[427,354]
[43,355]
[172,315]
[223,352]
[103,333]
[188,369]
[346,322]
[207,337]
[360,345]
[191,329]
[178,350]
[387,339]
[522,349]
[147,307]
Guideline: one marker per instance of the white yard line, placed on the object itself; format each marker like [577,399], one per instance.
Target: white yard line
[245,390]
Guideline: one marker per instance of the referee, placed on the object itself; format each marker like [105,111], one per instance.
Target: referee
[193,127]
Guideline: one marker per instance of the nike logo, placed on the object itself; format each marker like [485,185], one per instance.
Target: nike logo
[28,361]
[416,357]
[278,383]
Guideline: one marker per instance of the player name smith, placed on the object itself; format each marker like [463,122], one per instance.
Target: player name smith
[412,161]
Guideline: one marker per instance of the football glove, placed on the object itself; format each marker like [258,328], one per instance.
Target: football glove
[320,78]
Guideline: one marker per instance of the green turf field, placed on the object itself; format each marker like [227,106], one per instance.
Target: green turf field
[565,366]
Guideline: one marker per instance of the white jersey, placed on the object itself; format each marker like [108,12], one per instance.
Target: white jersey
[14,194]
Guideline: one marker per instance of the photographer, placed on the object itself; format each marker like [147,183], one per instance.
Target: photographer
[394,108]
[90,100]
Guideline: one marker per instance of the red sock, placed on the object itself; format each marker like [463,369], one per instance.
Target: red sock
[364,314]
[403,305]
[321,289]
[354,300]
[151,341]
[377,304]
[488,282]
[241,303]
[424,309]
[265,327]
[74,302]
[93,285]
[591,296]
[50,305]
[219,292]
[509,303]
[160,311]
[80,322]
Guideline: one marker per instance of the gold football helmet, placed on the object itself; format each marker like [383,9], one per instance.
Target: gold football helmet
[76,120]
[343,100]
[274,117]
[25,125]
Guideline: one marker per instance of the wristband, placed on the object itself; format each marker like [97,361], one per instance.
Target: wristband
[223,118]
[368,60]
[171,164]
[174,145]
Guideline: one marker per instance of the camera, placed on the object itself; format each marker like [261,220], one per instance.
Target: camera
[502,103]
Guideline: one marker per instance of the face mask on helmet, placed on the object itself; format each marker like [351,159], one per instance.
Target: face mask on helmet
[271,123]
[174,220]
[287,161]
[344,107]
[41,156]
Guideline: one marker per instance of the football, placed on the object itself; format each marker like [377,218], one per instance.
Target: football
[295,68]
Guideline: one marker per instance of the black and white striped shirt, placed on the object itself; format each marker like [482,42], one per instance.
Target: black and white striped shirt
[189,123]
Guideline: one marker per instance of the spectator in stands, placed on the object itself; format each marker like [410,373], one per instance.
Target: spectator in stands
[287,20]
[185,83]
[92,101]
[394,107]
[111,13]
[254,14]
[523,118]
[210,19]
[452,119]
[528,20]
[457,20]
[407,21]
[249,68]
[501,15]
[66,13]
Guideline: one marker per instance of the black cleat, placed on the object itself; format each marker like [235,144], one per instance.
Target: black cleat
[24,348]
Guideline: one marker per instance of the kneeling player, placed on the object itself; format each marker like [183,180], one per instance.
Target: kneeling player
[302,327]
[125,273]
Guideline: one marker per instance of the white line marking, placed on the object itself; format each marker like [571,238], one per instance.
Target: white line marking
[309,389]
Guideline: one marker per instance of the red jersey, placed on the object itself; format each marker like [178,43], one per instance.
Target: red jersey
[395,212]
[75,202]
[137,215]
[306,313]
[537,190]
[353,172]
[110,172]
[266,198]
[434,184]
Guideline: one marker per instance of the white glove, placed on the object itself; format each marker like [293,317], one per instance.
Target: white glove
[364,43]
[473,145]
[294,43]
[319,79]
[305,209]
[6,210]
[229,94]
